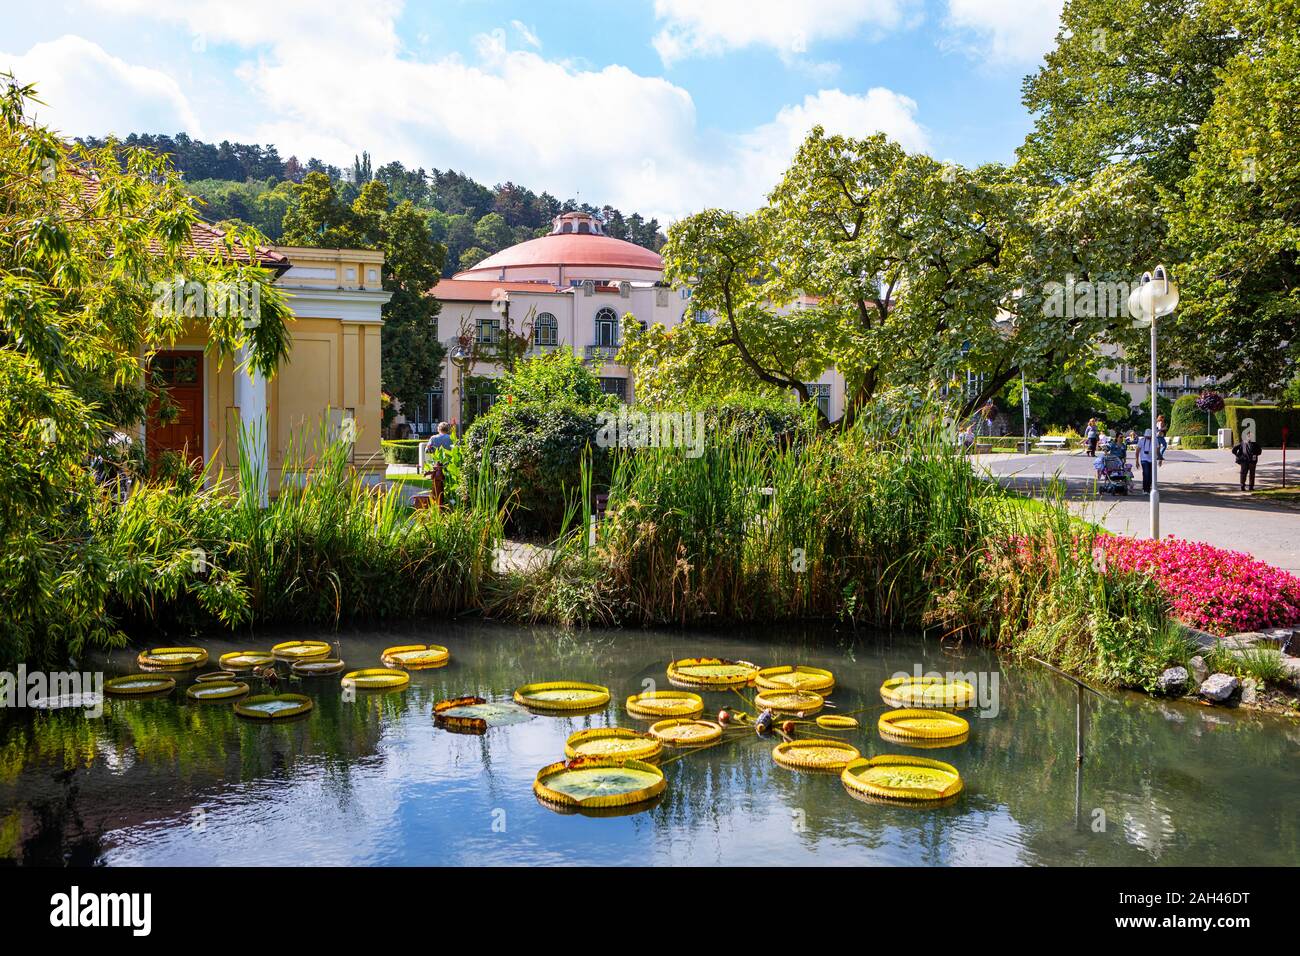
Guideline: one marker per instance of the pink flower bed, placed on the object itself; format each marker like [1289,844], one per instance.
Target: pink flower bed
[1210,588]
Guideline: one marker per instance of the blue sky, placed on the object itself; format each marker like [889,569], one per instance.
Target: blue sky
[664,106]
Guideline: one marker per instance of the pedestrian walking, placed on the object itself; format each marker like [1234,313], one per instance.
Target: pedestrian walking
[1090,435]
[1247,453]
[1162,440]
[1146,451]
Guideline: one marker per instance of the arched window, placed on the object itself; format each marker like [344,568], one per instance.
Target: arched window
[607,327]
[546,331]
[566,227]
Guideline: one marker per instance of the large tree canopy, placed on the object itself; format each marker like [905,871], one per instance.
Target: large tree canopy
[1202,95]
[1128,80]
[1239,217]
[87,239]
[896,269]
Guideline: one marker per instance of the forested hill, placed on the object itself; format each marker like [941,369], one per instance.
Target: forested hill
[254,184]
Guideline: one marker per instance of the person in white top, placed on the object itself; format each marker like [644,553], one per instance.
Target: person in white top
[1145,447]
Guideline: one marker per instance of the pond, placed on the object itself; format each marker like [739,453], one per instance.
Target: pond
[373,781]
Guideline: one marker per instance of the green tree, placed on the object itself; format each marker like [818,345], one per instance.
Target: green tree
[899,270]
[493,233]
[318,217]
[1128,80]
[1239,218]
[471,257]
[1201,95]
[412,353]
[88,238]
[555,377]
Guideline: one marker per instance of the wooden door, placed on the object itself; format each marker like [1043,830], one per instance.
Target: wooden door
[178,376]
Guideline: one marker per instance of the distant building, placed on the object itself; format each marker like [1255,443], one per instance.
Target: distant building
[1133,376]
[577,288]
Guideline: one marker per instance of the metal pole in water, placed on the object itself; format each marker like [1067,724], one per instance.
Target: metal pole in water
[1078,727]
[1078,732]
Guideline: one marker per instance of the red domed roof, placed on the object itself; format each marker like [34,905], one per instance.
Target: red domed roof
[567,250]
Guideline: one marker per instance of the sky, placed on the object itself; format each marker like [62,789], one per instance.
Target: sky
[664,107]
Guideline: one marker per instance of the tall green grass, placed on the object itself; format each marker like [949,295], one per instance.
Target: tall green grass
[851,525]
[883,524]
[328,548]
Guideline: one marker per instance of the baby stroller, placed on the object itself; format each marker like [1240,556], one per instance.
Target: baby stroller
[1114,474]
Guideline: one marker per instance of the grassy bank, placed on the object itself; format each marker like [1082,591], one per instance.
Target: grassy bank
[177,557]
[884,525]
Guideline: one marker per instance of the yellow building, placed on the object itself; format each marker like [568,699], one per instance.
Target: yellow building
[330,379]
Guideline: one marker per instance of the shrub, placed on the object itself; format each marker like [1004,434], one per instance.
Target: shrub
[1185,419]
[757,417]
[537,451]
[402,451]
[556,376]
[1198,442]
[327,550]
[1269,420]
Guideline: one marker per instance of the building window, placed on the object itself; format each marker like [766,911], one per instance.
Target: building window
[607,327]
[169,370]
[546,331]
[489,331]
[615,386]
[433,405]
[821,394]
[481,394]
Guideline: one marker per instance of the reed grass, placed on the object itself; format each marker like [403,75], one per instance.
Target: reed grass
[327,549]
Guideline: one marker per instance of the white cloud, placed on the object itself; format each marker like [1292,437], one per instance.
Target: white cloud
[527,34]
[88,91]
[326,26]
[768,149]
[1004,31]
[790,27]
[606,135]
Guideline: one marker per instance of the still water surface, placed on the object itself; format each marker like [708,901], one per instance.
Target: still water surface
[166,781]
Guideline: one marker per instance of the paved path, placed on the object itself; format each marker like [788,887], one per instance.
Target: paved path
[1199,499]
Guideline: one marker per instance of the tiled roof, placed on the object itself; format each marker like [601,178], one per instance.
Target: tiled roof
[205,238]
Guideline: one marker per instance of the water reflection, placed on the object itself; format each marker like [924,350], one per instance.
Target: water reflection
[373,781]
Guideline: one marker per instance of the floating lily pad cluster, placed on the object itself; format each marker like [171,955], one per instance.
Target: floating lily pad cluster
[615,769]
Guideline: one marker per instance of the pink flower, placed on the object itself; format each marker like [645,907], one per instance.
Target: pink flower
[1211,588]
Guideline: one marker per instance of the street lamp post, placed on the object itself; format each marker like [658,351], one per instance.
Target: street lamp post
[459,356]
[1024,410]
[1155,296]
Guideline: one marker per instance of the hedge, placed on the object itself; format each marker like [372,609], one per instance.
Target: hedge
[1269,420]
[1198,442]
[1186,420]
[402,451]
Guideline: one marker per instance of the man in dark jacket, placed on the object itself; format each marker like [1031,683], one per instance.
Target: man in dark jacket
[1247,452]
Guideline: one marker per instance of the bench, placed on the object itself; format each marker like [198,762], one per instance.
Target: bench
[1052,441]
